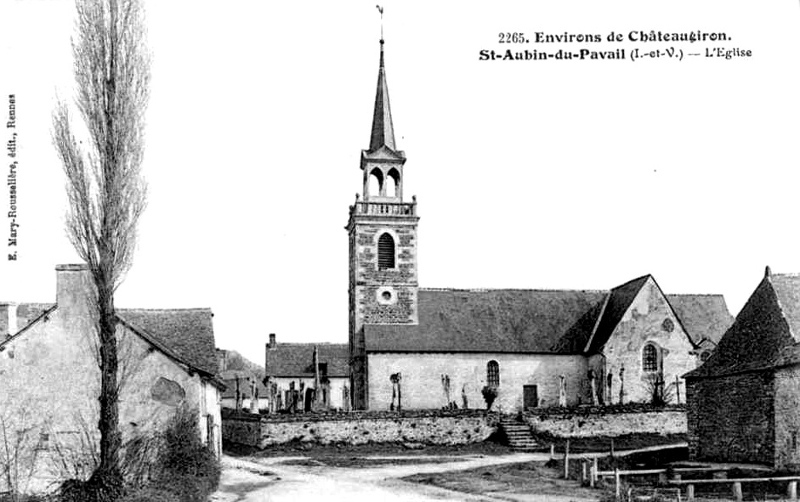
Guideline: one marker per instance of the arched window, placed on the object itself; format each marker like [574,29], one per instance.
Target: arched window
[650,358]
[393,183]
[493,374]
[385,252]
[375,182]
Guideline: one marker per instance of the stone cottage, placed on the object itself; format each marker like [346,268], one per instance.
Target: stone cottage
[294,372]
[432,348]
[744,402]
[50,380]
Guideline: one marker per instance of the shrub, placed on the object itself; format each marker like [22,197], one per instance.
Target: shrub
[489,395]
[188,468]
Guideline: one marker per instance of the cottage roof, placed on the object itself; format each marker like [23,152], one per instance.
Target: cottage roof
[29,312]
[185,335]
[294,360]
[764,334]
[533,321]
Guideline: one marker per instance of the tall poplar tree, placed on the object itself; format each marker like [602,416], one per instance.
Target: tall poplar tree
[101,150]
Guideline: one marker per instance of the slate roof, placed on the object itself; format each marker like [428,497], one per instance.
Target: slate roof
[382,129]
[533,321]
[232,365]
[619,301]
[29,312]
[296,359]
[764,334]
[705,317]
[229,378]
[187,333]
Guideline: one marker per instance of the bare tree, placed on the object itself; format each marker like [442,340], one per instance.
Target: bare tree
[105,189]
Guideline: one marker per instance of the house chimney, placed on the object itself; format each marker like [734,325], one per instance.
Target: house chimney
[767,272]
[8,319]
[73,287]
[272,342]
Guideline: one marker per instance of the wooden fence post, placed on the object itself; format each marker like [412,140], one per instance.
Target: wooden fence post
[593,475]
[690,492]
[617,486]
[791,491]
[552,451]
[737,491]
[583,472]
[566,461]
[612,448]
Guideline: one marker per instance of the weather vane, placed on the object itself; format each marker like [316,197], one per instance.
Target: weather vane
[380,9]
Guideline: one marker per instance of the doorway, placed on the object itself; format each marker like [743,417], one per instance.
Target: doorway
[530,396]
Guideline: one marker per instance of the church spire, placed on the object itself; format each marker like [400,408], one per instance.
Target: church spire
[382,129]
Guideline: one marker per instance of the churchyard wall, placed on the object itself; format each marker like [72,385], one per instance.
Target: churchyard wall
[609,421]
[451,427]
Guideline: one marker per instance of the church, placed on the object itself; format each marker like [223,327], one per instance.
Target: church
[418,348]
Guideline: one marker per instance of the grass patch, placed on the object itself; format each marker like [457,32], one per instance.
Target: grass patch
[528,477]
[603,443]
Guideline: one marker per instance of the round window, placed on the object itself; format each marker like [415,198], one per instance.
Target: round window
[386,295]
[668,325]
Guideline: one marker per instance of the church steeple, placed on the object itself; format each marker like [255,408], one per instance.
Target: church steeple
[382,163]
[383,243]
[382,129]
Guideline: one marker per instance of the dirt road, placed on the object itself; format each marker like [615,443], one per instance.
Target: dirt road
[278,479]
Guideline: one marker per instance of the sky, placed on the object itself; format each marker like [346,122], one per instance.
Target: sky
[553,174]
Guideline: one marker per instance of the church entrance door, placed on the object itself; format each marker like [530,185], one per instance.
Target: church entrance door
[530,396]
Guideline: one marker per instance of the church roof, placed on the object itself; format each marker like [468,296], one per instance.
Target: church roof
[619,300]
[533,321]
[765,333]
[705,317]
[294,360]
[382,128]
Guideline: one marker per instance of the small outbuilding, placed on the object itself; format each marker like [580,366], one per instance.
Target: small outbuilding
[744,401]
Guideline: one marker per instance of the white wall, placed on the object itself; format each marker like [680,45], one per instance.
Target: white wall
[422,388]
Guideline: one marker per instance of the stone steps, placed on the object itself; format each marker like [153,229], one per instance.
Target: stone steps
[519,435]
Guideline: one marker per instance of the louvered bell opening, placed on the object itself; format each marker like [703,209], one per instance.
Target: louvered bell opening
[385,252]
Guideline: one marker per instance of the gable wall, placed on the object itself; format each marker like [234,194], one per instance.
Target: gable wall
[49,383]
[645,322]
[422,388]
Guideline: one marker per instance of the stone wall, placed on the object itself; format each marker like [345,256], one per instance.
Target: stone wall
[787,419]
[614,421]
[731,419]
[462,427]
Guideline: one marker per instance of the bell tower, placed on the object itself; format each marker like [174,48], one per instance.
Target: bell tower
[383,242]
